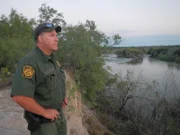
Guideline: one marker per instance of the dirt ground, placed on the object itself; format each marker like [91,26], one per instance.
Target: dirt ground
[11,116]
[13,123]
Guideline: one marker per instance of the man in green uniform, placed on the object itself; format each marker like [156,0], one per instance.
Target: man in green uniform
[39,83]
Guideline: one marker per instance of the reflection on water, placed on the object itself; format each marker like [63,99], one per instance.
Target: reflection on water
[173,65]
[135,61]
[116,60]
[165,74]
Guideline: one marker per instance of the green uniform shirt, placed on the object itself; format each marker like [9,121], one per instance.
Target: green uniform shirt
[41,77]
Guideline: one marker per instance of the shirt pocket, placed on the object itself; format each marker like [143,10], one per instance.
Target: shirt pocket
[62,74]
[51,81]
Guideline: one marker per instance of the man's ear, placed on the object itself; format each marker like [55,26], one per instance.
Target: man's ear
[40,38]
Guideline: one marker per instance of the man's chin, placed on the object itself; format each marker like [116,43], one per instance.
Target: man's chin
[55,49]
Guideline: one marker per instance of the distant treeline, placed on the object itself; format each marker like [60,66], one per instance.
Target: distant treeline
[165,53]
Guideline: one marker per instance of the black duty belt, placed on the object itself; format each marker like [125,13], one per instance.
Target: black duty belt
[34,120]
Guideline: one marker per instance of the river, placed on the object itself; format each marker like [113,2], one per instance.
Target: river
[165,75]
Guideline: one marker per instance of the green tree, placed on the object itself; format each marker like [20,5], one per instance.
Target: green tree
[117,39]
[15,38]
[48,14]
[80,48]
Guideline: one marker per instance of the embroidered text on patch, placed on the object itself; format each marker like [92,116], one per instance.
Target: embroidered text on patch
[28,71]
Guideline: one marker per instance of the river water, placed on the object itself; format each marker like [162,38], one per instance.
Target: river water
[164,76]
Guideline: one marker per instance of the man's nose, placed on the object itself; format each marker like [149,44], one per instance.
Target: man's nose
[57,39]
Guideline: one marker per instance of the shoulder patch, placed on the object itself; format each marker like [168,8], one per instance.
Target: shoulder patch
[28,72]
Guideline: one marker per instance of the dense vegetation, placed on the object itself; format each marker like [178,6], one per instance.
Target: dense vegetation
[126,113]
[15,39]
[166,53]
[80,49]
[130,52]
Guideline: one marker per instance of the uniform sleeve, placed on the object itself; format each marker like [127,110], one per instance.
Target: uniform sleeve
[24,80]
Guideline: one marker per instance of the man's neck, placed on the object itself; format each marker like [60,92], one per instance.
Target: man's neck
[44,50]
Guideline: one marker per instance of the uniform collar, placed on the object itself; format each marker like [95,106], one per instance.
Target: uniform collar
[44,56]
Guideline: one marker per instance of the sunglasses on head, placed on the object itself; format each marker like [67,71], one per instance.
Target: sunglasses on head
[49,25]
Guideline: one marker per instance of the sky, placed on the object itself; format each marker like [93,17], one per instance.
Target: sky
[138,22]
